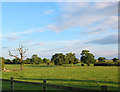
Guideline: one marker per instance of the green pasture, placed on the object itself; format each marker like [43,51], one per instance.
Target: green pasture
[24,86]
[91,77]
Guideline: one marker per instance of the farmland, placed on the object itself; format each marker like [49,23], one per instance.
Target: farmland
[91,77]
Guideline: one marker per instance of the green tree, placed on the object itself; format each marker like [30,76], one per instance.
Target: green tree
[8,61]
[87,57]
[36,59]
[70,57]
[76,61]
[2,60]
[58,59]
[24,62]
[27,61]
[40,60]
[101,59]
[16,61]
[66,60]
[45,60]
[115,59]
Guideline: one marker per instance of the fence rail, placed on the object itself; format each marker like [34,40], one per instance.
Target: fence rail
[44,84]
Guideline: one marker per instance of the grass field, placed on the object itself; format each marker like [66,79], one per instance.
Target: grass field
[80,76]
[23,86]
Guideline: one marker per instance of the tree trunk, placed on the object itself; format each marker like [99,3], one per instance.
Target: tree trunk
[88,64]
[21,65]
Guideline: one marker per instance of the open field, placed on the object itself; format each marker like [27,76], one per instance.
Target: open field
[80,76]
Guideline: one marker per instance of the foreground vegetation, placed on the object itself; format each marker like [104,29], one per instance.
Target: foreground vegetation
[79,76]
[24,86]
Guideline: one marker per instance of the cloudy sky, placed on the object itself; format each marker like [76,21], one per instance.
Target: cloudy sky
[46,28]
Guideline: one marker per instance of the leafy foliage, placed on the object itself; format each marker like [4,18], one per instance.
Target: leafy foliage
[58,59]
[27,61]
[101,59]
[87,57]
[8,61]
[2,60]
[107,64]
[36,59]
[45,60]
[16,61]
[115,59]
[70,58]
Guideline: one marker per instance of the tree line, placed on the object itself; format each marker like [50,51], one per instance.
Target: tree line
[33,60]
[59,59]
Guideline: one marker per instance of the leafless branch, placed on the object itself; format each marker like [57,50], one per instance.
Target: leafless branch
[21,51]
[25,51]
[13,55]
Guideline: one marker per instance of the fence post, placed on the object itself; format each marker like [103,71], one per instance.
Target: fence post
[104,88]
[12,84]
[44,86]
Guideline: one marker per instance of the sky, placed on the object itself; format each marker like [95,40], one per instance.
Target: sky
[46,28]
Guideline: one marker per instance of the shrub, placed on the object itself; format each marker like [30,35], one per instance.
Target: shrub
[115,59]
[118,63]
[48,64]
[101,59]
[82,64]
[107,64]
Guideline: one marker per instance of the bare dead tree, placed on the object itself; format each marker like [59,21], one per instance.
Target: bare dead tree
[21,52]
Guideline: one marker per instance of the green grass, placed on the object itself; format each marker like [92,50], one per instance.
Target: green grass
[80,76]
[24,86]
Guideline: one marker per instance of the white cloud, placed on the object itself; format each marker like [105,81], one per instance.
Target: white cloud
[110,39]
[17,35]
[39,43]
[75,46]
[12,38]
[74,14]
[28,31]
[24,32]
[27,43]
[110,22]
[66,46]
[61,43]
[107,54]
[103,5]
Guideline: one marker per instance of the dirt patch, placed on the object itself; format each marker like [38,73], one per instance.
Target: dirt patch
[11,70]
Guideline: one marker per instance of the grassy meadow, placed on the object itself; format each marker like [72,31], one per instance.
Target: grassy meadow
[91,77]
[24,86]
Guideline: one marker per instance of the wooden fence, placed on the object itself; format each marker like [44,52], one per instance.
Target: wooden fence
[45,85]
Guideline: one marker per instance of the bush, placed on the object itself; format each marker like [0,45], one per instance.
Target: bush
[78,64]
[107,64]
[48,64]
[118,63]
[82,64]
[101,59]
[115,59]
